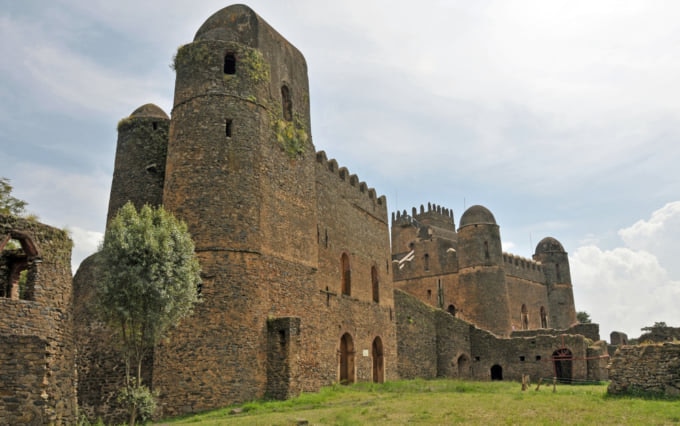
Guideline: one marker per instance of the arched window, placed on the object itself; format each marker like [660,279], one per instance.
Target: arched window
[544,318]
[486,250]
[19,258]
[346,275]
[525,317]
[229,63]
[452,310]
[286,103]
[375,284]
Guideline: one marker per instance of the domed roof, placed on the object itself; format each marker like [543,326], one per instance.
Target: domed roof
[149,111]
[477,215]
[237,22]
[549,245]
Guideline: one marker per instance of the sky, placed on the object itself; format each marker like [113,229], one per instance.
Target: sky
[561,117]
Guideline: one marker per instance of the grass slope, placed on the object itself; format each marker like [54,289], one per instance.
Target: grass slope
[437,402]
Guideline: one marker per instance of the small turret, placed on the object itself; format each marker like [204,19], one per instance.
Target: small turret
[139,170]
[555,263]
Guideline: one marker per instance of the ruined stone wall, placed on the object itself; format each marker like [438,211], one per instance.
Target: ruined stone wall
[416,337]
[525,355]
[653,369]
[37,333]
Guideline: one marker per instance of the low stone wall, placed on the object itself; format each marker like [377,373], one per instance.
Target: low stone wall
[651,369]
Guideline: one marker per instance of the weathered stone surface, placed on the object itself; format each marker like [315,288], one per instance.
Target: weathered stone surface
[653,368]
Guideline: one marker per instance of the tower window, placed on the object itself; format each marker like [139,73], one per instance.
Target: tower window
[286,103]
[229,63]
[229,127]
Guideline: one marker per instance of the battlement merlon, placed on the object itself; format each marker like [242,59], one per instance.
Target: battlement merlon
[331,166]
[435,215]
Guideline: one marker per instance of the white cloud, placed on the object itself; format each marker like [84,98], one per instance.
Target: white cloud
[85,243]
[627,288]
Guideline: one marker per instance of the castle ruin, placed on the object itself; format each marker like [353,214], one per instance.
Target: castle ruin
[301,285]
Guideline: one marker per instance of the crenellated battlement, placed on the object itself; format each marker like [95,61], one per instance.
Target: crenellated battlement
[435,215]
[343,173]
[520,262]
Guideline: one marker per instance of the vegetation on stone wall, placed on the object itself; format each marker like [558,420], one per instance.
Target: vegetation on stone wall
[149,282]
[255,67]
[291,135]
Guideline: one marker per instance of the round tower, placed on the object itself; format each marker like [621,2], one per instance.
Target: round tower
[555,264]
[139,168]
[482,288]
[241,173]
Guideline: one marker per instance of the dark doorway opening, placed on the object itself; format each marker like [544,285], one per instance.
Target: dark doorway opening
[496,372]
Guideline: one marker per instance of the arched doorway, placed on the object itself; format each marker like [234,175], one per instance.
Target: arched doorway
[378,361]
[463,367]
[452,310]
[346,359]
[562,364]
[496,372]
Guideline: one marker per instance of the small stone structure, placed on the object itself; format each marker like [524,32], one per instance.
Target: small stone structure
[647,369]
[37,356]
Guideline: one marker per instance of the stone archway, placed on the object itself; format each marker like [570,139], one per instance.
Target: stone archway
[346,359]
[562,360]
[378,361]
[496,372]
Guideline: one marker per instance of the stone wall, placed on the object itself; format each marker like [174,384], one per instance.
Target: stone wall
[37,365]
[653,369]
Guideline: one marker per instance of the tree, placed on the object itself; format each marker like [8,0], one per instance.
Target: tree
[149,282]
[8,204]
[583,317]
[657,324]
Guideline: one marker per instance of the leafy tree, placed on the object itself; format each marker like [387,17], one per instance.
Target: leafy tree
[148,283]
[9,204]
[583,317]
[657,324]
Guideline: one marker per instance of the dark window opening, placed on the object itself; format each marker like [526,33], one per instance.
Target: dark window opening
[486,250]
[154,125]
[282,337]
[429,294]
[522,358]
[538,357]
[427,262]
[558,276]
[544,318]
[18,264]
[346,275]
[452,310]
[375,284]
[286,103]
[229,124]
[525,317]
[230,63]
[199,288]
[477,358]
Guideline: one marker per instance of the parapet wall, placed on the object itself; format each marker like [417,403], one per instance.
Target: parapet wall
[369,202]
[653,369]
[522,267]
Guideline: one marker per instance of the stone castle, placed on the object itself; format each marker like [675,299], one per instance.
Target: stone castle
[301,285]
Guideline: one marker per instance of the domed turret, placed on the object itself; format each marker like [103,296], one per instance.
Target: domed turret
[481,275]
[555,262]
[139,169]
[477,215]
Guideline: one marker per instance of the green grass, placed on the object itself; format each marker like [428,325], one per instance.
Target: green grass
[448,402]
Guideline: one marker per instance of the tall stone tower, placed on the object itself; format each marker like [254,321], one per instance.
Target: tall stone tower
[481,277]
[555,263]
[240,171]
[139,167]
